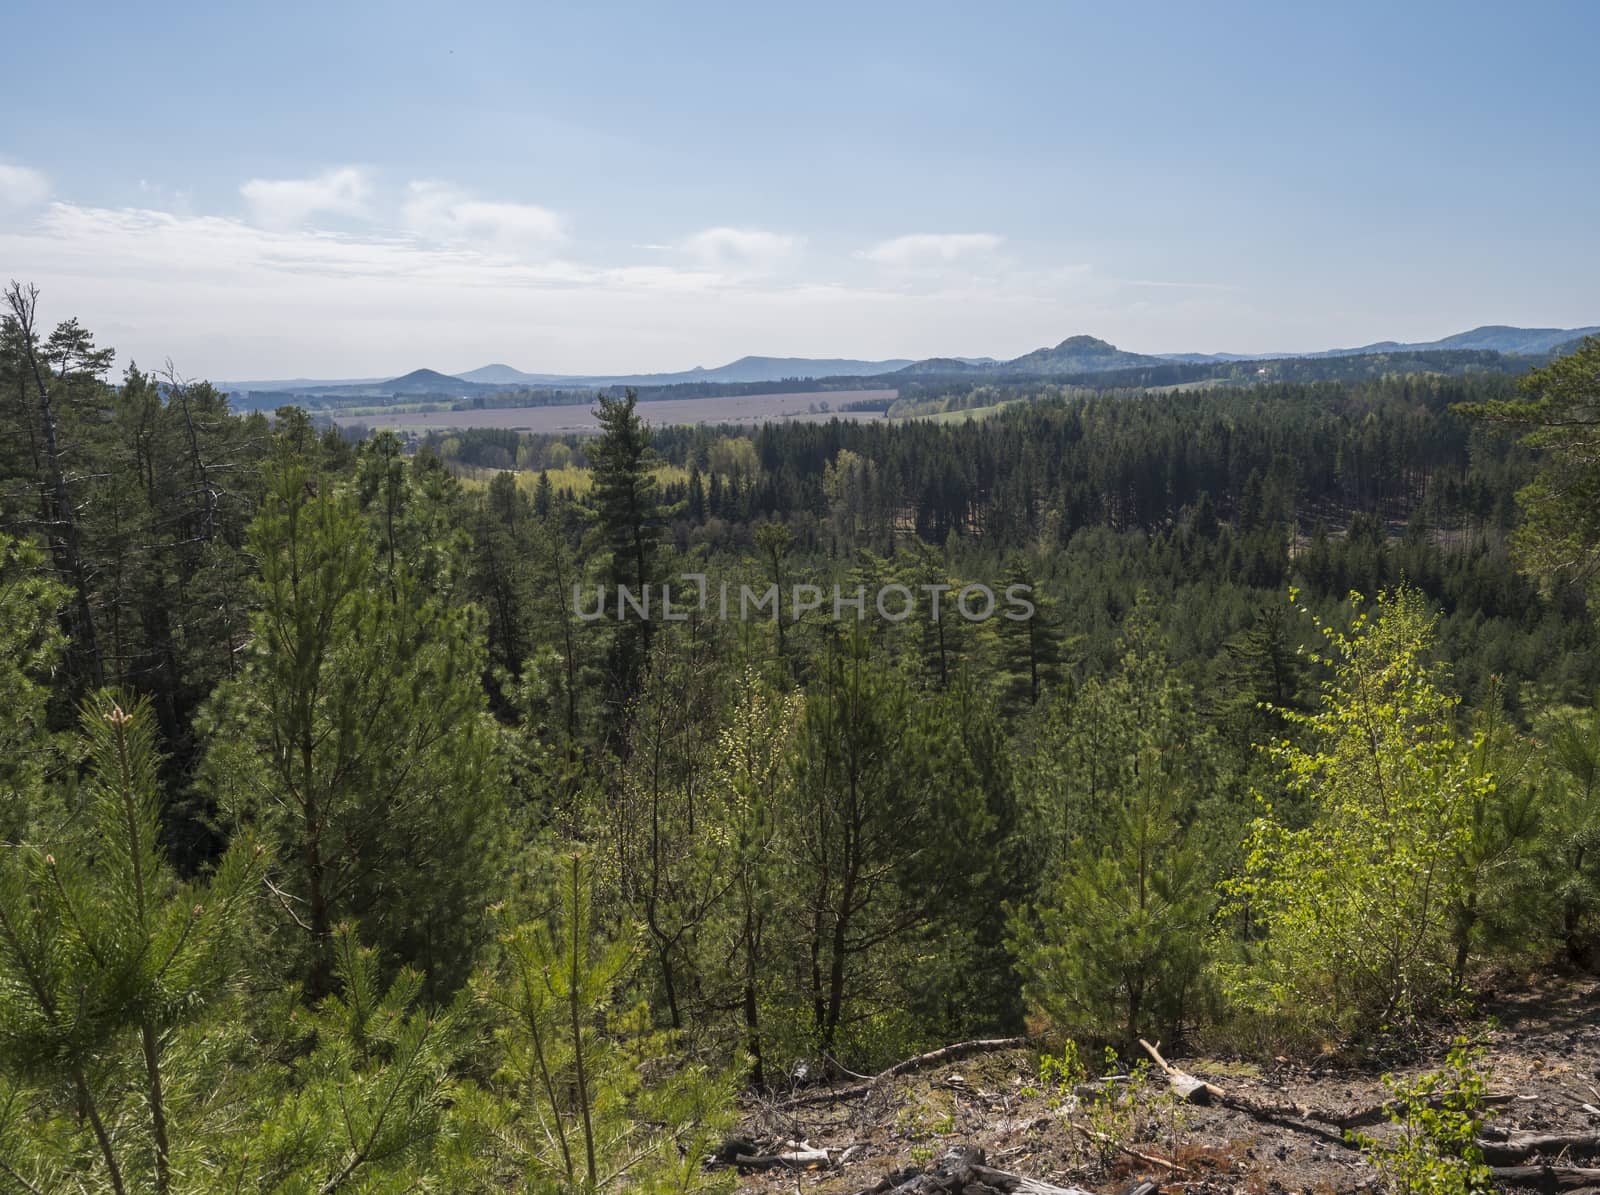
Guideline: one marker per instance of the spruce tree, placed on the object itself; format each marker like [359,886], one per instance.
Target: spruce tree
[626,501]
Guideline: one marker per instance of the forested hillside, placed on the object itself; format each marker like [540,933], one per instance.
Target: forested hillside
[345,849]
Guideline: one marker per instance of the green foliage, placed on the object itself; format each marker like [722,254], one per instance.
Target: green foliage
[748,767]
[1558,413]
[1573,754]
[1502,898]
[30,643]
[629,520]
[812,843]
[369,1105]
[1109,1114]
[1115,947]
[1355,905]
[107,964]
[883,803]
[355,734]
[1437,1118]
[586,1097]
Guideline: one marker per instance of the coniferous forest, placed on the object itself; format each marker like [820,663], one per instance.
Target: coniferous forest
[343,849]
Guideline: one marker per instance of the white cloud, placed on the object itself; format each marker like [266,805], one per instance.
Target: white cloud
[439,212]
[231,297]
[740,249]
[22,187]
[931,248]
[287,202]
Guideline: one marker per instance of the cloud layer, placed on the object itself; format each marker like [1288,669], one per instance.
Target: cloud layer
[341,273]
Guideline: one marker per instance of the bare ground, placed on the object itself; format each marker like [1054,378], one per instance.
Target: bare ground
[1543,1040]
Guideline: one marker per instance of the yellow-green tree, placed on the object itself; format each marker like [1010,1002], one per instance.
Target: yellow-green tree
[1354,907]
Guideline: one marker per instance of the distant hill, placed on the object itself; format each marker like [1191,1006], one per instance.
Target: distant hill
[270,385]
[1074,355]
[1493,338]
[1570,346]
[1212,358]
[1528,342]
[505,375]
[427,381]
[1077,354]
[776,369]
[942,365]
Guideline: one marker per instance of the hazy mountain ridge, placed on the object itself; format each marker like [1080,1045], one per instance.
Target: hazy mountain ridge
[1497,338]
[1076,355]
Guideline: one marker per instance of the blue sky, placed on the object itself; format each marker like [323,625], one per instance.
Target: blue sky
[359,189]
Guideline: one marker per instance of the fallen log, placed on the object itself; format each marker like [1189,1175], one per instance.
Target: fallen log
[1548,1178]
[1285,1112]
[1192,1090]
[1508,1149]
[932,1058]
[799,1159]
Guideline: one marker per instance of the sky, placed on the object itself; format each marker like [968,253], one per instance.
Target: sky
[359,189]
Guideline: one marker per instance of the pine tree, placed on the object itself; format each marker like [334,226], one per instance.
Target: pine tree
[882,803]
[585,1099]
[357,737]
[1031,649]
[107,963]
[1115,946]
[1558,414]
[58,391]
[1574,760]
[773,540]
[368,1104]
[30,643]
[696,502]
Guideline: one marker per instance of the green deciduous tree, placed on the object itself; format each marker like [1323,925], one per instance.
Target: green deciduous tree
[749,769]
[1357,906]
